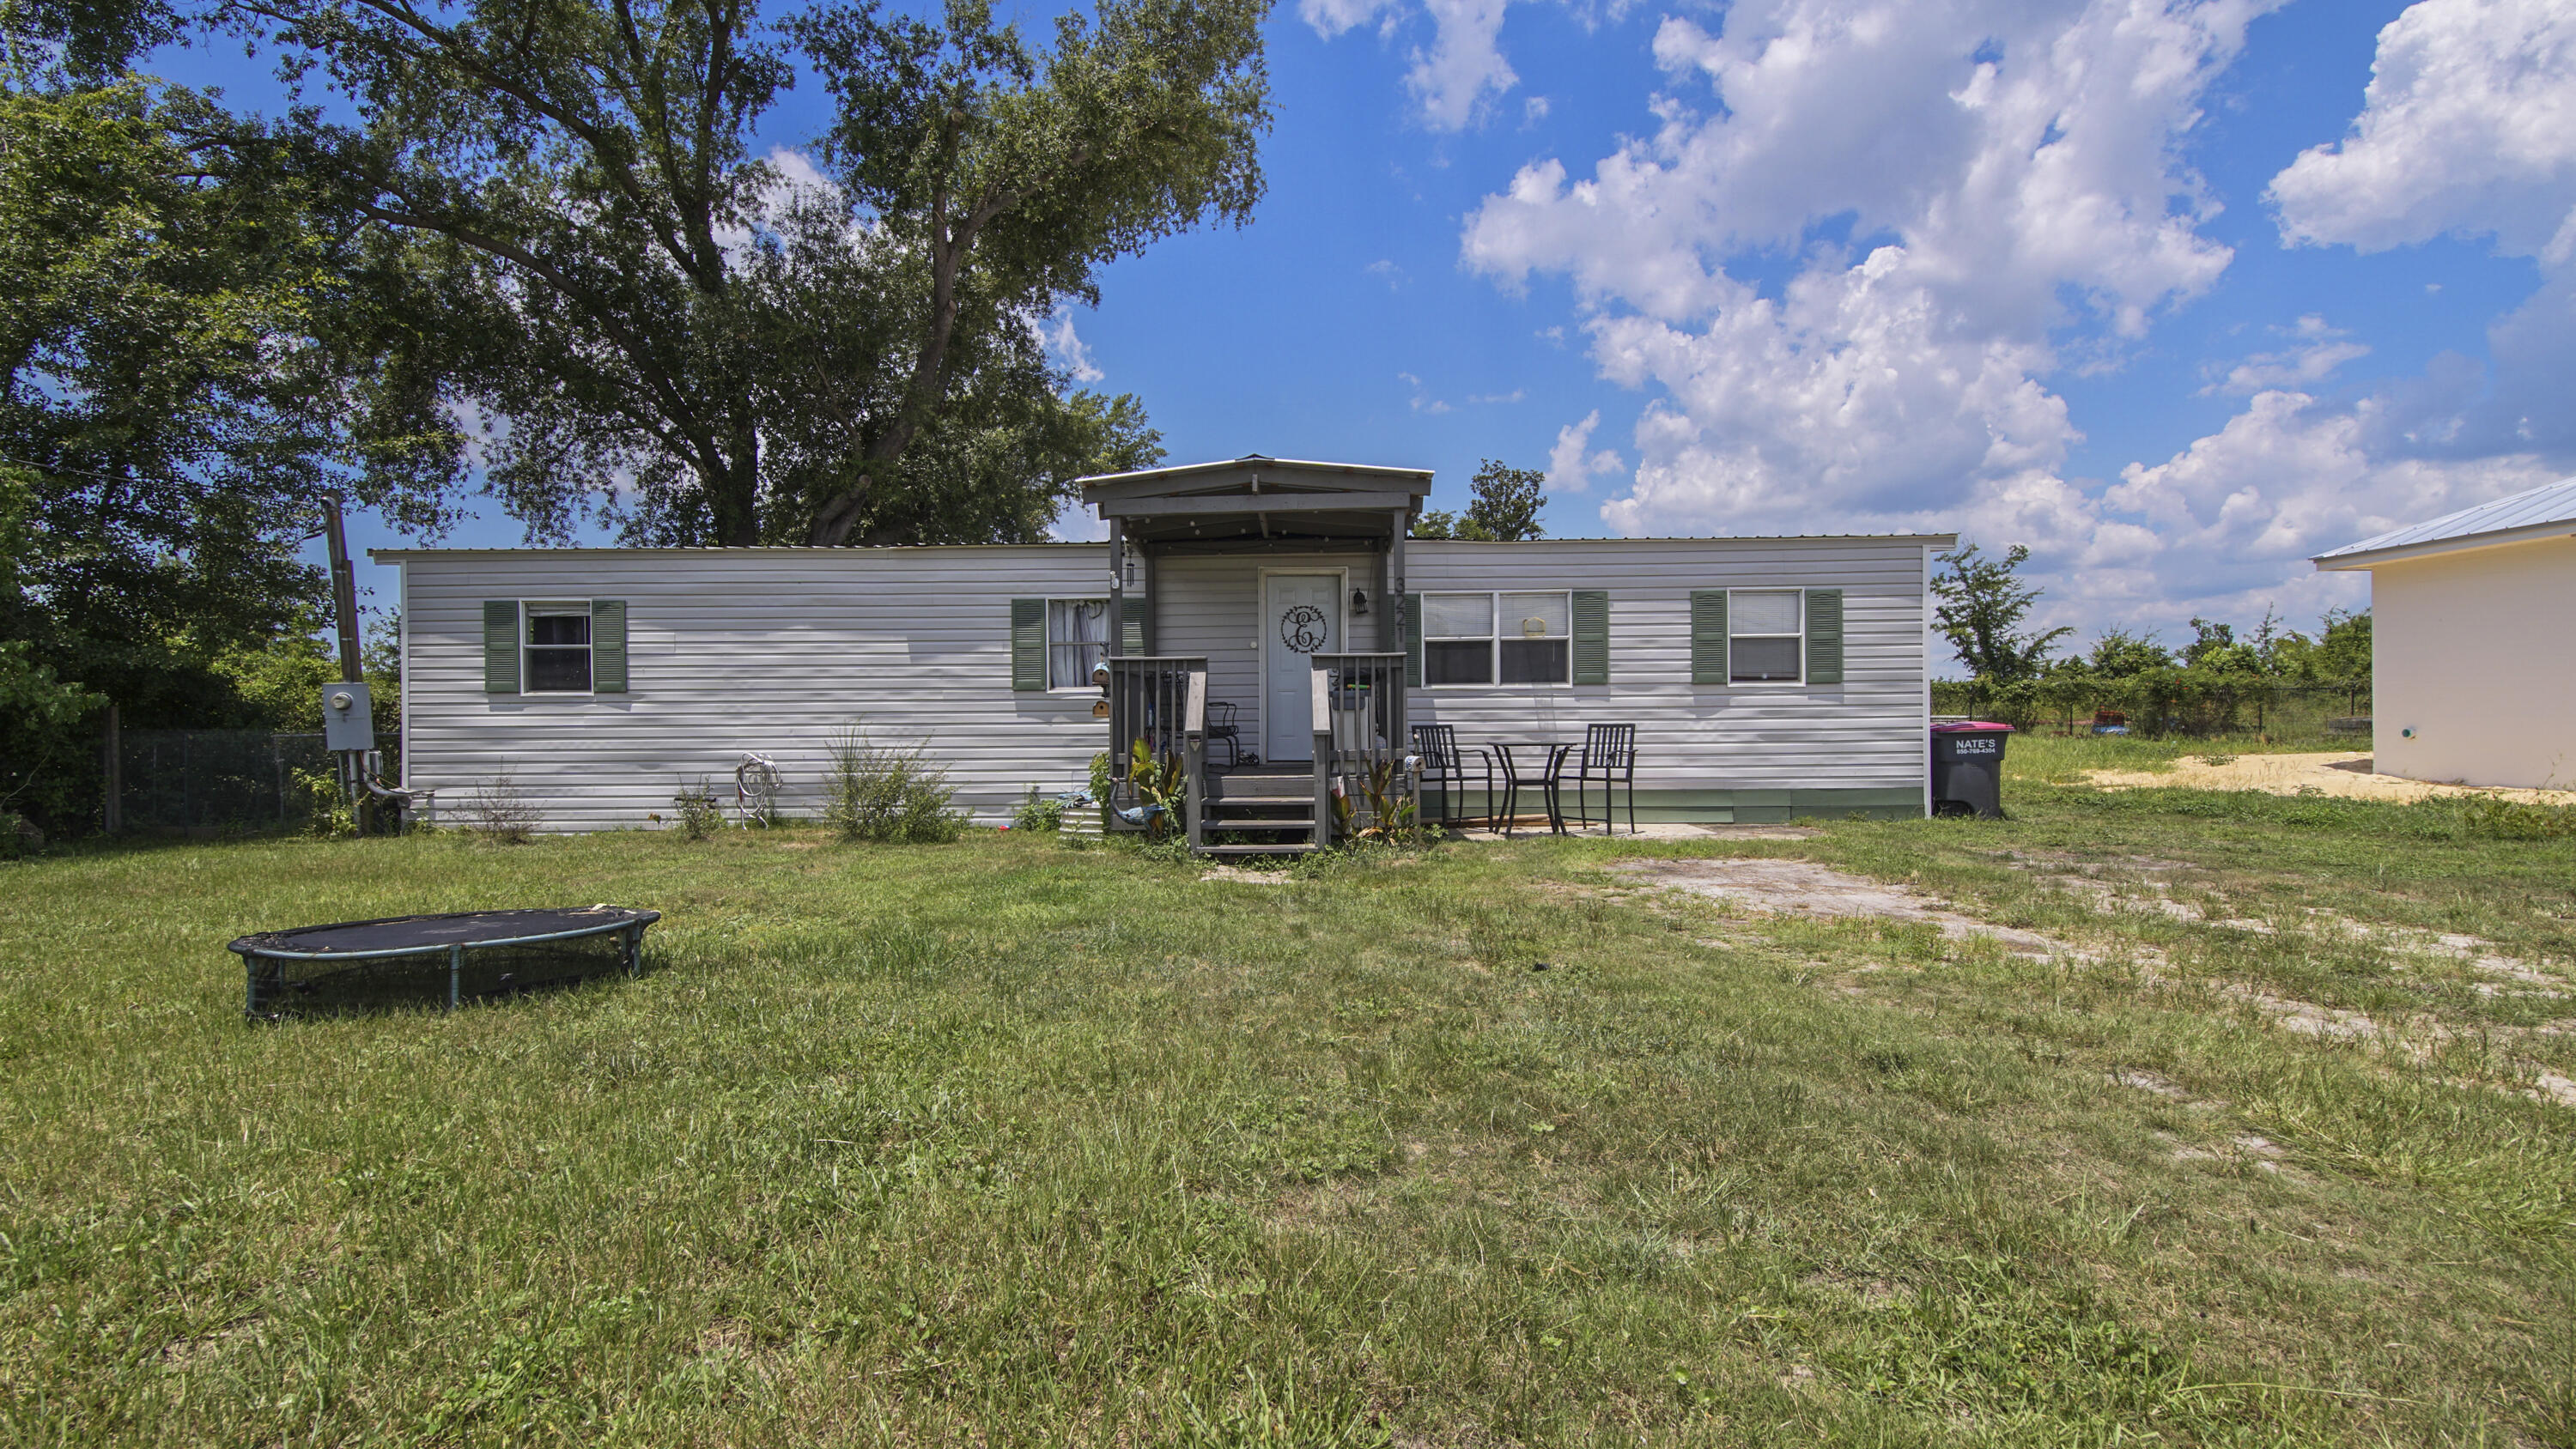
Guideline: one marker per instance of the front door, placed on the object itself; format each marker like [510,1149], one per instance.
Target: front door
[1302,616]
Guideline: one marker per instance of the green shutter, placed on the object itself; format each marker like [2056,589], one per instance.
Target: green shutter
[1028,644]
[1591,636]
[1413,641]
[1708,636]
[1132,637]
[608,646]
[500,646]
[1824,636]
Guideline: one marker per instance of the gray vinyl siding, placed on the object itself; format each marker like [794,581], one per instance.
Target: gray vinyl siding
[1864,733]
[1211,604]
[735,650]
[779,650]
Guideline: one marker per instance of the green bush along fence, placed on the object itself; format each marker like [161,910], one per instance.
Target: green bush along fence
[2171,702]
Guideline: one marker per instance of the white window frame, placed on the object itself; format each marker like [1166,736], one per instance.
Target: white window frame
[529,609]
[1052,643]
[1798,632]
[1494,637]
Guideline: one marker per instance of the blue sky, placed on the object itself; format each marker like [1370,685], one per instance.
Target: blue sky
[2173,291]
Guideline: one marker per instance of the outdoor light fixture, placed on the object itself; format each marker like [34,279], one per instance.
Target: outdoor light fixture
[1359,603]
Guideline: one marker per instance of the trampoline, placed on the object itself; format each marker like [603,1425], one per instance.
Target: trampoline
[480,953]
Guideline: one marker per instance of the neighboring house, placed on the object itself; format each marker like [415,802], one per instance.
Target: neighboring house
[1767,677]
[2473,657]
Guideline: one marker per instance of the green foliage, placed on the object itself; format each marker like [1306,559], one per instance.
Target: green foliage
[888,796]
[701,812]
[1038,812]
[328,815]
[1384,814]
[602,258]
[2499,817]
[2119,654]
[1436,523]
[1982,604]
[189,375]
[1162,786]
[1103,775]
[1506,504]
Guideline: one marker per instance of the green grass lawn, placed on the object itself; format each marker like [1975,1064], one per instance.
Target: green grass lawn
[1009,1143]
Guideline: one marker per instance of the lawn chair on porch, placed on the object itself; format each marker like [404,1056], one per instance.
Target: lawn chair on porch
[1221,728]
[1446,769]
[1609,756]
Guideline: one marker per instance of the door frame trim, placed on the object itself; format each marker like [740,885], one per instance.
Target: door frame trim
[1261,608]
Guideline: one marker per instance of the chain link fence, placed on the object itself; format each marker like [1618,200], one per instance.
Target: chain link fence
[213,781]
[2169,704]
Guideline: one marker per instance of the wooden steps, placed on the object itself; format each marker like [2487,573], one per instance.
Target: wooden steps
[1265,800]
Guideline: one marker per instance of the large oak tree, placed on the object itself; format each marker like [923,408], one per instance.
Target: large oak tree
[656,321]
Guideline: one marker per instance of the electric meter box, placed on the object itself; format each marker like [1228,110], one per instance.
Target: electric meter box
[348,721]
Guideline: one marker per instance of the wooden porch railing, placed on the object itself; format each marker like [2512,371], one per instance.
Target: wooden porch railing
[1358,702]
[1162,701]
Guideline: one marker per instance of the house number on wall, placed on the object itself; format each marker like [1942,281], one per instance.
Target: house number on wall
[1302,628]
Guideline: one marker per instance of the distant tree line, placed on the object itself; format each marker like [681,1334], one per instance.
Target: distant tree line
[2211,683]
[541,251]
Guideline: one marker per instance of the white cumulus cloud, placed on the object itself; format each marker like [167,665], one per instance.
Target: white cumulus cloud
[1573,463]
[1959,185]
[2469,126]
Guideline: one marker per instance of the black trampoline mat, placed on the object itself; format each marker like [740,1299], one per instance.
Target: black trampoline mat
[437,933]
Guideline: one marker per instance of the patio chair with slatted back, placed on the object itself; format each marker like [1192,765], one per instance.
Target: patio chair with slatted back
[1447,767]
[1221,726]
[1608,756]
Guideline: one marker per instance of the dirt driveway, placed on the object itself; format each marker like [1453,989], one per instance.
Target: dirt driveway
[2339,772]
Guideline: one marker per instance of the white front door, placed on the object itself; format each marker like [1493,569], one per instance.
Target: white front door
[1301,616]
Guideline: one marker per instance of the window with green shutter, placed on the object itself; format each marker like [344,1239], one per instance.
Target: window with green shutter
[500,646]
[1824,636]
[1591,636]
[1708,636]
[1028,645]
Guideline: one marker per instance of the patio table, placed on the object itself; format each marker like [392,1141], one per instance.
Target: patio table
[1511,755]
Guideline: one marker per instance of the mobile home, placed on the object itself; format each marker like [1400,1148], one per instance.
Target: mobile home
[1258,616]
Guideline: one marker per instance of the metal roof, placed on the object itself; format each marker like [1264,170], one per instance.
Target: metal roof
[2543,512]
[1252,460]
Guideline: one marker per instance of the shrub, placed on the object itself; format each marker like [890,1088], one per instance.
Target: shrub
[701,815]
[1038,812]
[887,795]
[326,811]
[2497,818]
[496,811]
[18,835]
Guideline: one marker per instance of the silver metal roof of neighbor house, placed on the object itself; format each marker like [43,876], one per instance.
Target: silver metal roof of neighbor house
[2548,511]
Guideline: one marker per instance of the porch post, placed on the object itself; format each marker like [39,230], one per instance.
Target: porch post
[1390,618]
[1117,589]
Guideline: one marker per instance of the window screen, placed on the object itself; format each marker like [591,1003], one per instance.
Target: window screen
[1764,639]
[1537,638]
[1517,638]
[1077,639]
[557,659]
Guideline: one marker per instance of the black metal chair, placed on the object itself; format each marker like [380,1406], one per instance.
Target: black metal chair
[1221,726]
[1609,755]
[1447,766]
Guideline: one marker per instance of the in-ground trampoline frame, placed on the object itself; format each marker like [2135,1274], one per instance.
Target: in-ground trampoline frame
[266,949]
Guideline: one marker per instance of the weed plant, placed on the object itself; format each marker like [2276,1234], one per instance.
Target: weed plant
[888,796]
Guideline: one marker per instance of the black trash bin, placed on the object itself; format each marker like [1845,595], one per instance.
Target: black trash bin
[1968,768]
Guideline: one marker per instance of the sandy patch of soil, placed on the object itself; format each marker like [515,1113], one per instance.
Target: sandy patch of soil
[1802,888]
[2338,772]
[1240,876]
